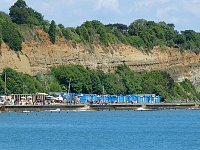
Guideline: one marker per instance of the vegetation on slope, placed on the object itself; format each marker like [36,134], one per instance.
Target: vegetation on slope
[82,80]
[9,32]
[141,33]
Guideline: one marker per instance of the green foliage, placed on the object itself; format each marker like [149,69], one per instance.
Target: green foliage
[159,83]
[82,80]
[20,83]
[52,32]
[45,26]
[95,83]
[77,76]
[48,82]
[10,33]
[162,34]
[190,40]
[95,31]
[103,35]
[142,34]
[84,35]
[123,81]
[12,36]
[23,83]
[191,92]
[2,85]
[131,81]
[135,41]
[20,13]
[121,27]
[61,26]
[55,87]
[70,34]
[1,36]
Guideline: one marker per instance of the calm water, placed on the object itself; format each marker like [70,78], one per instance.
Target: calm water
[110,130]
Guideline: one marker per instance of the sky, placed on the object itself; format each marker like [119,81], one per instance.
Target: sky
[185,14]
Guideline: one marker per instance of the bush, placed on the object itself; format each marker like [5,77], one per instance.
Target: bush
[10,33]
[70,34]
[12,36]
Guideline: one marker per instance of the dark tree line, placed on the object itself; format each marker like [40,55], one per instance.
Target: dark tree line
[82,80]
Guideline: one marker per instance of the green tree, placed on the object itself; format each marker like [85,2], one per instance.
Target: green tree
[52,32]
[103,36]
[131,81]
[137,26]
[83,33]
[20,13]
[95,83]
[61,26]
[121,27]
[21,83]
[113,84]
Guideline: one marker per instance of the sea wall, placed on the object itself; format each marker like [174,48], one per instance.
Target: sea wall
[109,107]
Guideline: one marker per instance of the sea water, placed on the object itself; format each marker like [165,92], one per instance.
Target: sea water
[101,130]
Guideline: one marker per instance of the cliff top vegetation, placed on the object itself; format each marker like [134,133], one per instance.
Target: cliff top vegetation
[142,34]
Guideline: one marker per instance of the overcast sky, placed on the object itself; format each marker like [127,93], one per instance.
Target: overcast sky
[185,14]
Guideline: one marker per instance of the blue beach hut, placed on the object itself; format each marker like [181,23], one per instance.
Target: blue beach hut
[121,99]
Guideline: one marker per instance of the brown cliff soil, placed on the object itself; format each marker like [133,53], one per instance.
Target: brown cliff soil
[40,55]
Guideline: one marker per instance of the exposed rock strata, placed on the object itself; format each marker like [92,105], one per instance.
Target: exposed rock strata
[42,55]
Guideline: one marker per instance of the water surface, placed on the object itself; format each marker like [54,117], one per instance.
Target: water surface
[111,130]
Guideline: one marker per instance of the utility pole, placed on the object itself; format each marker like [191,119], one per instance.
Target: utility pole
[23,88]
[69,87]
[68,90]
[103,89]
[103,92]
[46,86]
[5,80]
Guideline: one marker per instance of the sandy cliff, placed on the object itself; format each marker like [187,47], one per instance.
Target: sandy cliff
[42,55]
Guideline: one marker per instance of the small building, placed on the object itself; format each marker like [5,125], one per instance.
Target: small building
[29,99]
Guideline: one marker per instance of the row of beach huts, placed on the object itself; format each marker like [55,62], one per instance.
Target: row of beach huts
[74,98]
[133,98]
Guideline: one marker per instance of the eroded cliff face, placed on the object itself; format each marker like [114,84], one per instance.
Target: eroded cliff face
[40,56]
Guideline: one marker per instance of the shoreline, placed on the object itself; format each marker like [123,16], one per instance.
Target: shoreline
[108,107]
